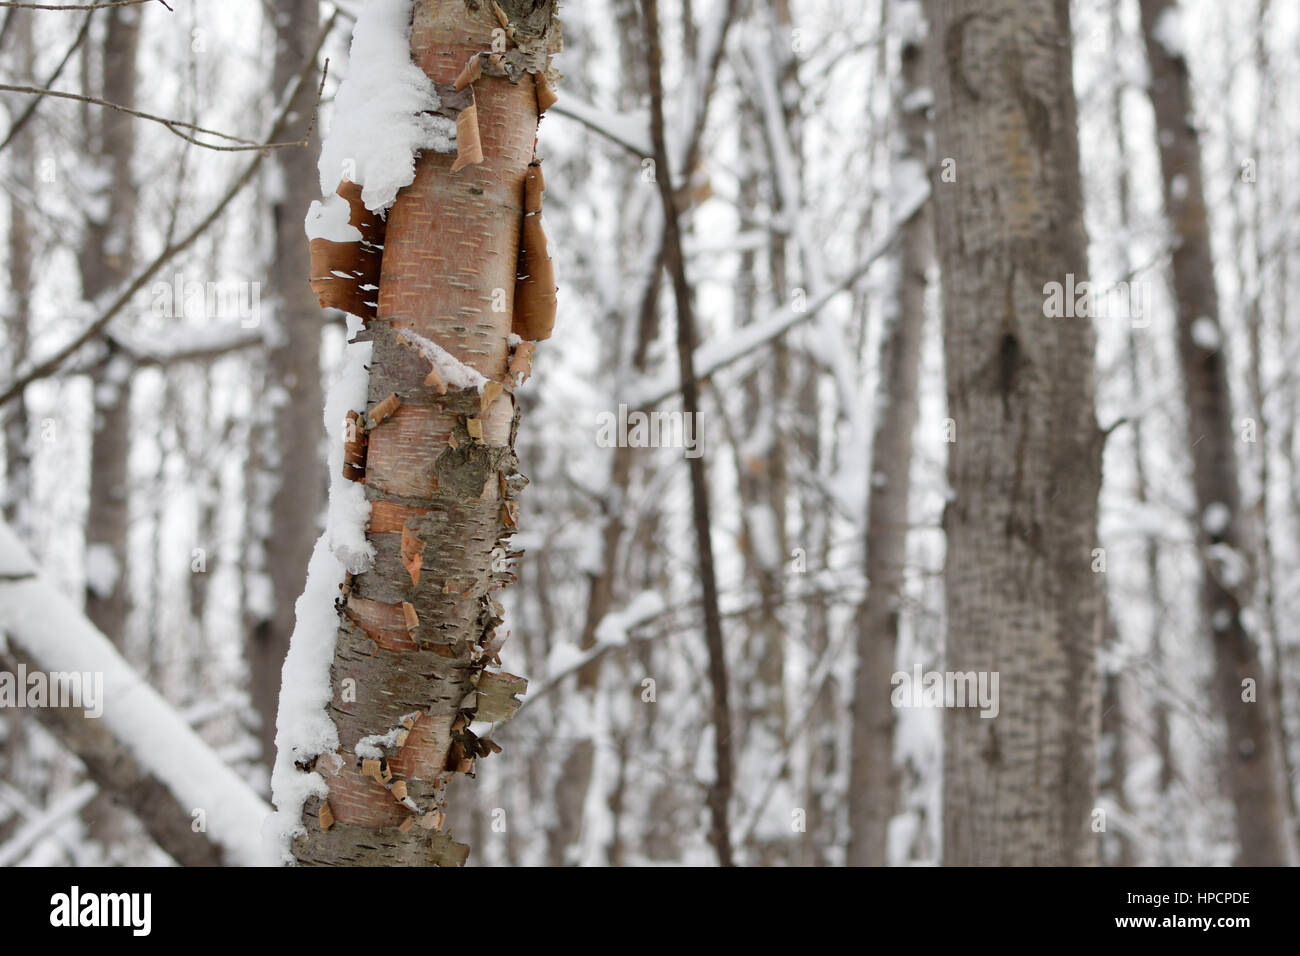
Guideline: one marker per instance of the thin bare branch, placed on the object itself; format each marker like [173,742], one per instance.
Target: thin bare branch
[55,361]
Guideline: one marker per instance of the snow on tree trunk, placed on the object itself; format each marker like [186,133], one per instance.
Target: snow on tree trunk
[1024,468]
[287,491]
[427,409]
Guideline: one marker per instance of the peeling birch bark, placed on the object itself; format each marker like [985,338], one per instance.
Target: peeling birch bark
[418,630]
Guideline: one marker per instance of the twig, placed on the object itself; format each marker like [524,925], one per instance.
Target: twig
[174,126]
[53,363]
[719,797]
[30,111]
[80,6]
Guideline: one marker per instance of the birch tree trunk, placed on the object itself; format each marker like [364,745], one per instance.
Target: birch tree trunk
[1023,601]
[1252,762]
[416,631]
[873,778]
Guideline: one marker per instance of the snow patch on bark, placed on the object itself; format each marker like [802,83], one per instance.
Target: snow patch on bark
[330,219]
[304,729]
[102,570]
[453,372]
[383,112]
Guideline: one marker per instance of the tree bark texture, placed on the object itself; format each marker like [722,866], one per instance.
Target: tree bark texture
[1024,469]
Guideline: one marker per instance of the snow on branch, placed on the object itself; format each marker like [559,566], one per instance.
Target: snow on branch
[45,628]
[729,348]
[629,130]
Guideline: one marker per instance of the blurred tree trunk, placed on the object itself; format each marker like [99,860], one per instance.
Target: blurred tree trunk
[1252,765]
[22,239]
[14,734]
[873,777]
[105,259]
[441,474]
[289,434]
[1024,469]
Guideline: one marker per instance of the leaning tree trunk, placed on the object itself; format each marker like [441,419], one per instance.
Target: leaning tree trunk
[1253,764]
[873,778]
[1022,600]
[289,439]
[417,631]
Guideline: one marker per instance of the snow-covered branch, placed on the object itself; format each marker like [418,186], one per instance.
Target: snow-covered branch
[140,746]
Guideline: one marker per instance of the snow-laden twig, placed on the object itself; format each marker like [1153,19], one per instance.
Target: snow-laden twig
[40,826]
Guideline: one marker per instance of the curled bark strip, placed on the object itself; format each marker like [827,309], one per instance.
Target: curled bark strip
[384,410]
[469,148]
[535,303]
[345,275]
[546,97]
[521,362]
[354,449]
[496,695]
[412,554]
[473,70]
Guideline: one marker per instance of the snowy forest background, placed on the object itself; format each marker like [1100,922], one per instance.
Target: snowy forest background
[169,474]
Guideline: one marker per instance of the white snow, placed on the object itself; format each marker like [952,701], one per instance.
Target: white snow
[613,627]
[1216,518]
[764,535]
[328,218]
[1169,32]
[1205,333]
[102,570]
[372,747]
[56,637]
[382,112]
[303,726]
[453,372]
[629,130]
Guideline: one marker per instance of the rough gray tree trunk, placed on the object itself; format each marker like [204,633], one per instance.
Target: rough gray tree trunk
[1252,761]
[1024,469]
[873,777]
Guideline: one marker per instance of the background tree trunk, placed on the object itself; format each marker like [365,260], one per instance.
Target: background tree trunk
[1024,470]
[106,260]
[290,434]
[1252,764]
[873,778]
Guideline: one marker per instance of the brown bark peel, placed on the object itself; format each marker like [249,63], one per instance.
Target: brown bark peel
[345,275]
[469,149]
[535,302]
[418,630]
